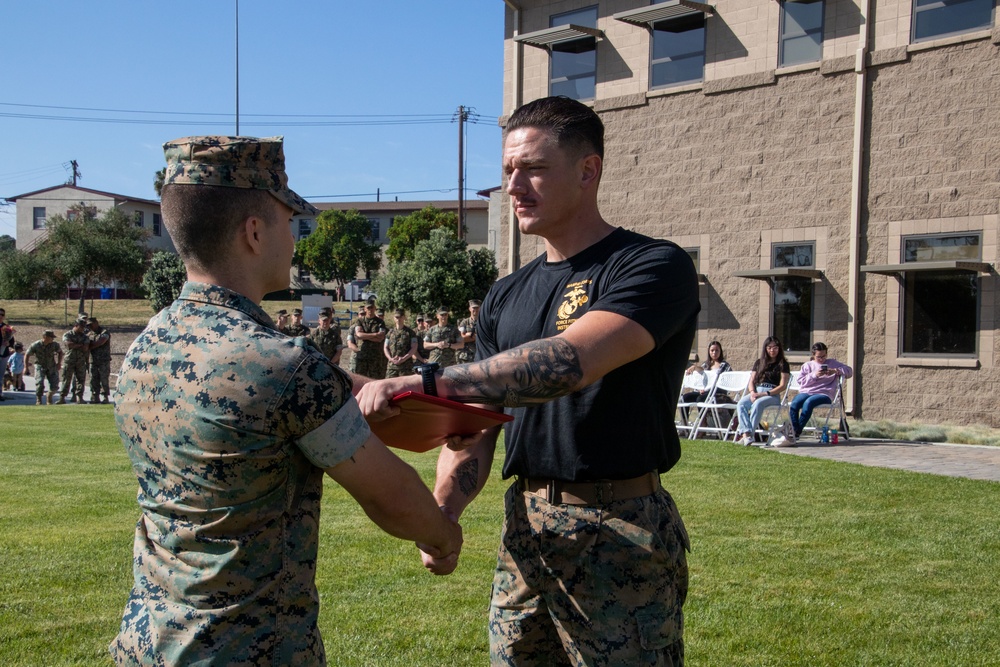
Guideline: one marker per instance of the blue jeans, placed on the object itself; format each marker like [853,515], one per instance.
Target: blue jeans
[802,407]
[750,414]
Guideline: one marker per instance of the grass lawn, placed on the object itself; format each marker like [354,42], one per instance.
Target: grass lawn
[796,561]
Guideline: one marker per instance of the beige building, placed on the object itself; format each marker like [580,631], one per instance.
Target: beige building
[35,208]
[381,216]
[833,167]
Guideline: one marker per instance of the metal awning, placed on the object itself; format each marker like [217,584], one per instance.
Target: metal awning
[941,265]
[786,272]
[661,11]
[544,39]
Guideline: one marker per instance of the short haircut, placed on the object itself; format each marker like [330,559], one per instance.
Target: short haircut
[575,126]
[203,219]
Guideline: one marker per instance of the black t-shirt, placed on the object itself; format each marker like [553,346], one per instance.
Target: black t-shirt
[621,426]
[771,374]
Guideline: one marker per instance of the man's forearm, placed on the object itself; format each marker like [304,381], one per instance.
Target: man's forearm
[461,475]
[535,372]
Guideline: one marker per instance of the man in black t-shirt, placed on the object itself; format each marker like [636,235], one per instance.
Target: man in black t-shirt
[586,346]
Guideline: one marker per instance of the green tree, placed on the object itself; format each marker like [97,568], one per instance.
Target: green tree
[26,275]
[7,242]
[442,272]
[89,249]
[163,279]
[161,175]
[340,246]
[409,230]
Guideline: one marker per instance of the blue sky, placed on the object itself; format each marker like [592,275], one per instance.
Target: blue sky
[410,64]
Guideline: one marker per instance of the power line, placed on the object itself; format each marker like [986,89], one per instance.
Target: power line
[383,193]
[276,120]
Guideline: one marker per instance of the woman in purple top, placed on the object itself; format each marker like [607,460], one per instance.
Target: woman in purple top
[818,382]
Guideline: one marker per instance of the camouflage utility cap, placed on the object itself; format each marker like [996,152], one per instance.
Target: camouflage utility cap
[233,162]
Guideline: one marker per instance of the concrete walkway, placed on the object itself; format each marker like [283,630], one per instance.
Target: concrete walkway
[971,461]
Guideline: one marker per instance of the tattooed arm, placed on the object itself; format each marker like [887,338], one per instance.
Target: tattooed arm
[535,372]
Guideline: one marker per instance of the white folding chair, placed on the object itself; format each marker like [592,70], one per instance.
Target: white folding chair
[776,415]
[836,407]
[696,381]
[716,416]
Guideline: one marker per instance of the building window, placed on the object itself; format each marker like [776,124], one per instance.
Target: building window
[940,308]
[801,32]
[157,221]
[678,51]
[304,276]
[38,217]
[792,297]
[573,62]
[304,228]
[374,222]
[139,218]
[940,18]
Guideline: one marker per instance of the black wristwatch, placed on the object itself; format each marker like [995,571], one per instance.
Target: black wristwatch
[427,373]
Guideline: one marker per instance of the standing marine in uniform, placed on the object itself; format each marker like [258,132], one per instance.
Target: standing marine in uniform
[400,346]
[231,427]
[48,358]
[77,344]
[587,346]
[297,328]
[443,340]
[281,323]
[6,344]
[100,362]
[327,338]
[467,327]
[421,331]
[369,333]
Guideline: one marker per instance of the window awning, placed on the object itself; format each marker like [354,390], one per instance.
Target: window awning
[942,265]
[544,39]
[786,272]
[673,9]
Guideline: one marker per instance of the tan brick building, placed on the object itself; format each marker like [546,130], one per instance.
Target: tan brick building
[833,166]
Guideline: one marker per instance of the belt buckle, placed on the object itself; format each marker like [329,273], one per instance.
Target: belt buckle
[600,488]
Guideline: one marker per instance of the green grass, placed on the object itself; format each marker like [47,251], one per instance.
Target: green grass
[796,561]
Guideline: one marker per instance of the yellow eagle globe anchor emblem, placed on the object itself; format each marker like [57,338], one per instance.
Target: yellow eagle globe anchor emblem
[574,299]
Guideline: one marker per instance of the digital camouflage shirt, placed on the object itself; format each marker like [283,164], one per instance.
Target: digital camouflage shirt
[468,353]
[74,356]
[438,333]
[370,350]
[44,356]
[399,341]
[229,426]
[102,353]
[327,340]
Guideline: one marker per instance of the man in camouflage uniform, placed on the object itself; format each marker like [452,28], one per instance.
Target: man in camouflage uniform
[74,369]
[400,347]
[327,338]
[281,322]
[586,345]
[48,358]
[442,340]
[231,426]
[100,361]
[297,328]
[369,333]
[467,327]
[421,330]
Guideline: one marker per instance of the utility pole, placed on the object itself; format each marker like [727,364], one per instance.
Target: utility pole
[237,68]
[76,171]
[463,115]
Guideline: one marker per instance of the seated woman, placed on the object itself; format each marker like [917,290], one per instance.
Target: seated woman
[768,379]
[716,361]
[818,381]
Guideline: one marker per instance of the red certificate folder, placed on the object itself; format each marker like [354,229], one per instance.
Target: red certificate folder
[425,421]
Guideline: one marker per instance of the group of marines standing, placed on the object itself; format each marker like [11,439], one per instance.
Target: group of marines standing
[383,351]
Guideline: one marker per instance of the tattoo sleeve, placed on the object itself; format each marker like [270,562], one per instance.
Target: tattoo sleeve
[535,372]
